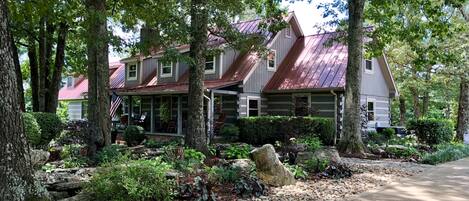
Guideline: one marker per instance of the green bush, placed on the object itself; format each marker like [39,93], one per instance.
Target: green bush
[132,181]
[71,155]
[316,165]
[32,129]
[389,133]
[446,153]
[432,131]
[194,155]
[159,144]
[224,174]
[268,129]
[297,171]
[50,124]
[229,131]
[313,143]
[409,152]
[134,135]
[238,152]
[109,154]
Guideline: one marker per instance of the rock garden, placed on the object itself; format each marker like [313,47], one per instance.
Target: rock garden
[262,158]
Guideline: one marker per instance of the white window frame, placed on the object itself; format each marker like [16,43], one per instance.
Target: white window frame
[70,82]
[275,60]
[162,65]
[288,32]
[371,100]
[212,71]
[258,99]
[136,72]
[369,71]
[300,95]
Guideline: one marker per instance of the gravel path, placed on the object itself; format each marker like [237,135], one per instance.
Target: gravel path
[369,174]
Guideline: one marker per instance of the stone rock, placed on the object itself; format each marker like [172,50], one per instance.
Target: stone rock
[68,186]
[245,165]
[39,157]
[82,196]
[58,195]
[396,146]
[172,175]
[269,168]
[326,153]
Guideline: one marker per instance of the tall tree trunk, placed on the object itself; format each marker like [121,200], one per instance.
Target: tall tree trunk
[426,94]
[415,102]
[33,68]
[17,182]
[196,137]
[57,73]
[352,142]
[463,110]
[402,111]
[98,75]
[50,28]
[42,65]
[19,76]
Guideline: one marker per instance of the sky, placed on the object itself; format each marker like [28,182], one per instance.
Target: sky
[307,13]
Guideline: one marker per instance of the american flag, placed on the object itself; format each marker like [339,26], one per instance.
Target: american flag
[115,102]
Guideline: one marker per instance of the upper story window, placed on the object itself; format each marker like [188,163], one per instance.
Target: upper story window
[69,81]
[370,110]
[288,32]
[166,69]
[132,72]
[272,60]
[368,66]
[210,65]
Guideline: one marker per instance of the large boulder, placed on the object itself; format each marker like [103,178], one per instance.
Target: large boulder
[326,153]
[39,157]
[269,168]
[245,165]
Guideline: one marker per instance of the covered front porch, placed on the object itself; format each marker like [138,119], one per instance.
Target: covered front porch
[167,114]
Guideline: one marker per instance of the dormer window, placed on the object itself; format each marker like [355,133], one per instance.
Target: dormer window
[288,32]
[69,81]
[368,66]
[210,65]
[166,69]
[272,60]
[132,72]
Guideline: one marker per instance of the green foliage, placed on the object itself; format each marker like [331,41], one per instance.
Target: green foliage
[268,129]
[316,165]
[224,174]
[297,171]
[193,155]
[389,133]
[110,154]
[32,129]
[409,152]
[132,181]
[313,143]
[408,140]
[134,135]
[62,111]
[432,131]
[48,167]
[229,131]
[238,152]
[445,153]
[159,144]
[71,156]
[50,124]
[165,113]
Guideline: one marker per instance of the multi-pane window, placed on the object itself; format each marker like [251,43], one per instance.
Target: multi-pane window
[368,65]
[69,81]
[272,60]
[371,111]
[301,106]
[210,64]
[132,72]
[288,32]
[166,69]
[253,110]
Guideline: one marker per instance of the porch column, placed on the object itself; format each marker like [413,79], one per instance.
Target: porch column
[129,120]
[210,114]
[152,115]
[179,116]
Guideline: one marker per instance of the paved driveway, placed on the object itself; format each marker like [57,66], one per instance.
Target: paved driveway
[446,182]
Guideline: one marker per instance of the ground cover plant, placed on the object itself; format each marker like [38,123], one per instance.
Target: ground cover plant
[445,153]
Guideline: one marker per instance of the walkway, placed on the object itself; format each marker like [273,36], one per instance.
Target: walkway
[446,182]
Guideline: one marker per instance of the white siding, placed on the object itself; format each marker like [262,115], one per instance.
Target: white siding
[75,110]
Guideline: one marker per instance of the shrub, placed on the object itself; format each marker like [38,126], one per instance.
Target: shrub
[75,132]
[389,133]
[313,143]
[409,152]
[109,154]
[224,174]
[446,153]
[194,155]
[297,171]
[134,135]
[71,155]
[50,124]
[230,131]
[432,131]
[32,129]
[316,165]
[238,152]
[133,181]
[268,129]
[159,144]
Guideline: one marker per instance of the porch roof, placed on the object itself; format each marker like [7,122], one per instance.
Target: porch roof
[172,88]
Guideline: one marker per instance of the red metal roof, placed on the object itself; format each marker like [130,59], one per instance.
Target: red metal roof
[312,63]
[117,76]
